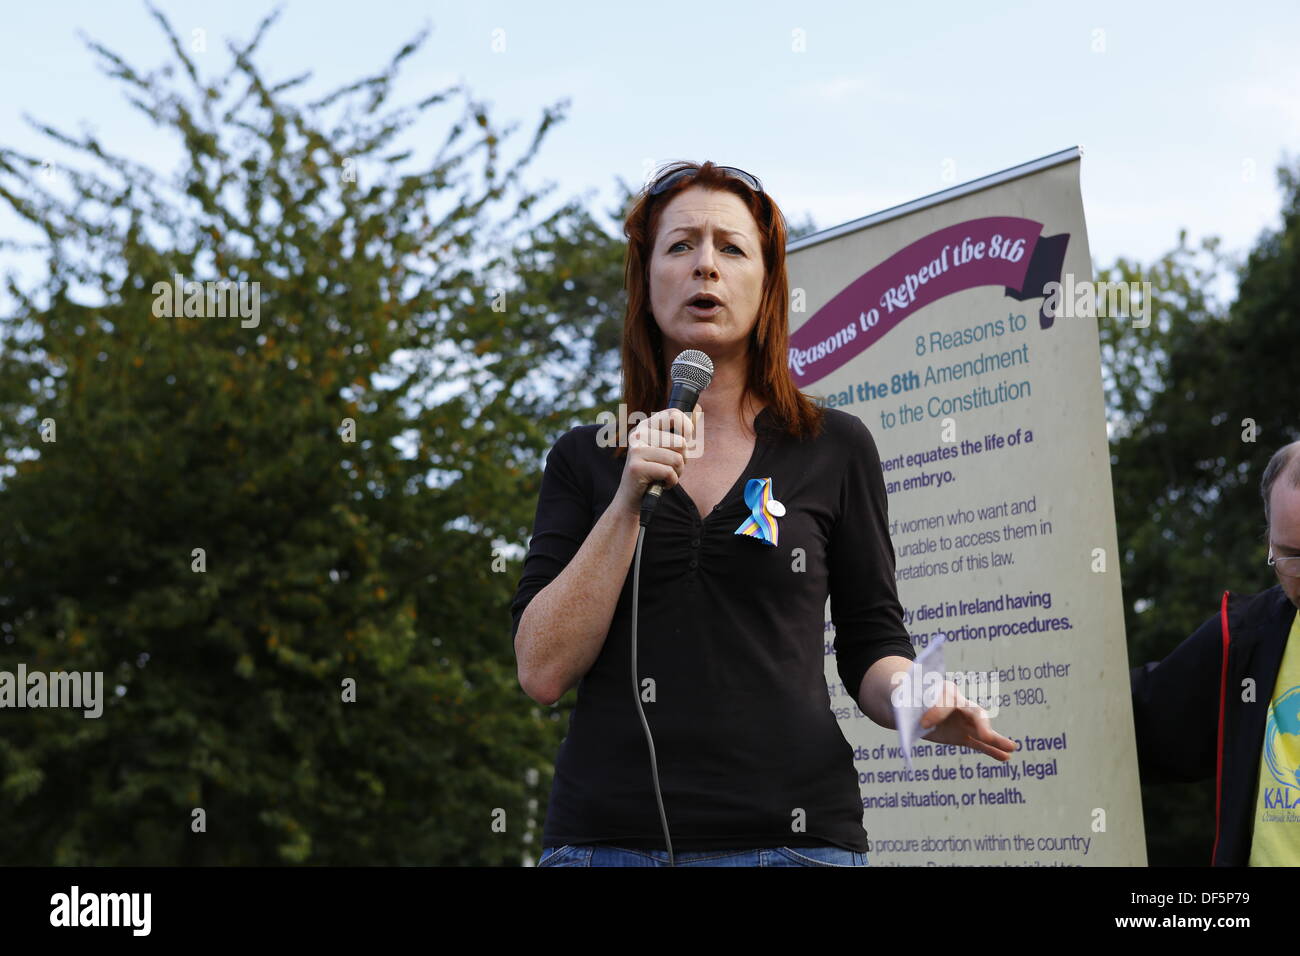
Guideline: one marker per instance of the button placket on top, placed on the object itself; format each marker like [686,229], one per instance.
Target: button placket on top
[700,524]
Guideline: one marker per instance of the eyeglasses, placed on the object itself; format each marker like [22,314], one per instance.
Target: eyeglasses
[1289,565]
[676,175]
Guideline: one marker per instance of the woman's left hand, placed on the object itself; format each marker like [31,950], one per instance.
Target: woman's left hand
[956,720]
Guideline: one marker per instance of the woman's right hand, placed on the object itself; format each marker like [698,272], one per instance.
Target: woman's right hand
[656,452]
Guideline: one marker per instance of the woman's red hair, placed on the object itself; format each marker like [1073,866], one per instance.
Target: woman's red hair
[647,381]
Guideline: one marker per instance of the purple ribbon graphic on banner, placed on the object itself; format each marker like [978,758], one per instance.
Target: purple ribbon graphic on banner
[998,250]
[764,510]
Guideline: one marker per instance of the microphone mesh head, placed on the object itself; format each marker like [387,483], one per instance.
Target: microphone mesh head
[694,368]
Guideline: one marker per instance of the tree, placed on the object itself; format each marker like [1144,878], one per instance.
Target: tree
[1199,403]
[246,504]
[805,228]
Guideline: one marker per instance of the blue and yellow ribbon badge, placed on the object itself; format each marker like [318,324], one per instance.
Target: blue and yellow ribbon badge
[764,510]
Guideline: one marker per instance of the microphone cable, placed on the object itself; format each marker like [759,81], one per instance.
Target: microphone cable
[692,371]
[636,691]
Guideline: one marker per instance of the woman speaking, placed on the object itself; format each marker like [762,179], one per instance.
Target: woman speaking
[771,505]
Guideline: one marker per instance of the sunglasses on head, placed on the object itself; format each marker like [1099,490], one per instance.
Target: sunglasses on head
[673,176]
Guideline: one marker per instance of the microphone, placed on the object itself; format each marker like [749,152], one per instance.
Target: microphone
[692,373]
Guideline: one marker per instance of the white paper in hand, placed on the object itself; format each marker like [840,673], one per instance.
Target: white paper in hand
[909,696]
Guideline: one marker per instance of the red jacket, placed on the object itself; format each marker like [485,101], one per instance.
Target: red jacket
[1191,722]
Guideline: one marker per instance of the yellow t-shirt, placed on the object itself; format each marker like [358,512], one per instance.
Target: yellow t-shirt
[1276,837]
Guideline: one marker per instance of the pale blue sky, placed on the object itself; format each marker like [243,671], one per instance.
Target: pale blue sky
[1182,109]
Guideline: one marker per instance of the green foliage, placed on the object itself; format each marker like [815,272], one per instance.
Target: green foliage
[431,321]
[799,230]
[1182,395]
[461,342]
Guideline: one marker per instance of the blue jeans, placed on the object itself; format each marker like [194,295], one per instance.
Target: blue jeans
[600,854]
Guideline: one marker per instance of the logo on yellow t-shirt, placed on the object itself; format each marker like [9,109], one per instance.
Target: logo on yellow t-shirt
[1282,751]
[1276,837]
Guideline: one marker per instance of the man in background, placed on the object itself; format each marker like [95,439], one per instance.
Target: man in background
[1226,702]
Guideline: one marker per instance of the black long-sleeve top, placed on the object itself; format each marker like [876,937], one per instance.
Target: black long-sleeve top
[732,632]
